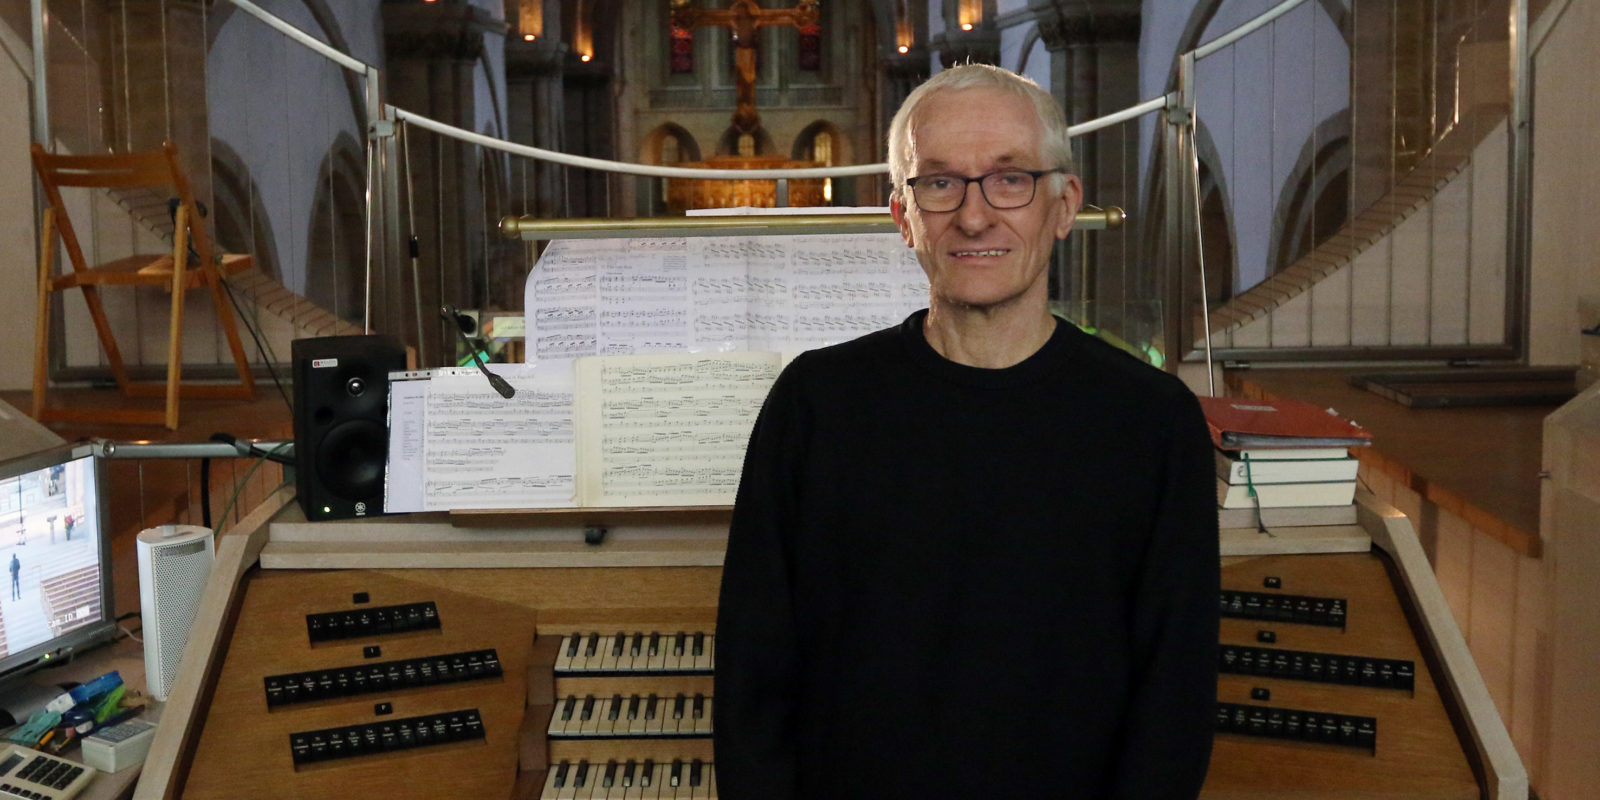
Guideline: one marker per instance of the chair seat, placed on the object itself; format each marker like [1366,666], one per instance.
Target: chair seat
[145,270]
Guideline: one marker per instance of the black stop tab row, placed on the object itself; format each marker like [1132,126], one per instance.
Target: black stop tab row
[304,687]
[1301,726]
[1271,662]
[383,737]
[1326,611]
[356,623]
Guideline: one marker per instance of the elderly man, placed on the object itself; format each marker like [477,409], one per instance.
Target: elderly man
[974,555]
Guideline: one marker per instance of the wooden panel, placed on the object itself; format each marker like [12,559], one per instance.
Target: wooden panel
[243,743]
[1493,602]
[1452,563]
[1418,754]
[1530,665]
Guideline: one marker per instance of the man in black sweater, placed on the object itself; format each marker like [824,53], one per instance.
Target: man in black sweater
[974,555]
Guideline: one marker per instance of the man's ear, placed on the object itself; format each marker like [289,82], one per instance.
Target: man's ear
[898,211]
[1072,196]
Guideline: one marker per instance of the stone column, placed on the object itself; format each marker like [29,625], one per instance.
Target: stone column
[534,108]
[1093,71]
[431,51]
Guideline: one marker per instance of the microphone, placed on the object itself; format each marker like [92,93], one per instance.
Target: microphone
[463,324]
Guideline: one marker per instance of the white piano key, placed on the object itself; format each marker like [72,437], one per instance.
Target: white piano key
[591,786]
[590,725]
[711,782]
[702,723]
[660,714]
[607,653]
[563,659]
[551,791]
[636,725]
[707,657]
[558,726]
[570,790]
[658,658]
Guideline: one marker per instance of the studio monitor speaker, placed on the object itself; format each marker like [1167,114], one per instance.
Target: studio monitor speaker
[174,563]
[341,435]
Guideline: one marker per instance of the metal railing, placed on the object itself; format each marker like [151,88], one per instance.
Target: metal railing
[1157,269]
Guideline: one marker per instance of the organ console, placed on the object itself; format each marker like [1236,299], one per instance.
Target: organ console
[429,656]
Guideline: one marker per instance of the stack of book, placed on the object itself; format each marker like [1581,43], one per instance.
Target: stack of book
[1282,463]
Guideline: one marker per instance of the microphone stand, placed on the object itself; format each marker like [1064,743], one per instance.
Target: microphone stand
[459,324]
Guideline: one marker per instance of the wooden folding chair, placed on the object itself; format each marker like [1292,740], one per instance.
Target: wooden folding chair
[177,272]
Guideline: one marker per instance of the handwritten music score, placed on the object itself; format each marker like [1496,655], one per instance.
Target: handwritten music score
[668,429]
[718,294]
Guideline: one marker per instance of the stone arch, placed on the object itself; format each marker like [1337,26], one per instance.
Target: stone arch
[804,147]
[1315,203]
[336,244]
[728,143]
[218,15]
[655,142]
[240,217]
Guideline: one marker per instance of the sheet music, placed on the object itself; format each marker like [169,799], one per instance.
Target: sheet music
[403,479]
[484,451]
[718,294]
[668,429]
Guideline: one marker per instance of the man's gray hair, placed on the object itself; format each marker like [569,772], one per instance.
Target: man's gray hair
[1053,145]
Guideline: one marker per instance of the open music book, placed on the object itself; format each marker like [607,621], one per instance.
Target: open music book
[667,429]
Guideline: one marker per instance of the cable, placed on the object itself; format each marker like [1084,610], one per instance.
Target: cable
[266,357]
[238,487]
[205,492]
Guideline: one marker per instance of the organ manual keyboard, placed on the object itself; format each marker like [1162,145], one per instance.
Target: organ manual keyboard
[551,668]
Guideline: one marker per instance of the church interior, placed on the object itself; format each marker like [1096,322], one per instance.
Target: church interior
[1374,206]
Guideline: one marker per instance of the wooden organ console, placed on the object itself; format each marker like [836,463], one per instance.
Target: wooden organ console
[502,657]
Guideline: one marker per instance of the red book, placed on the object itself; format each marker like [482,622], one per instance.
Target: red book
[1240,423]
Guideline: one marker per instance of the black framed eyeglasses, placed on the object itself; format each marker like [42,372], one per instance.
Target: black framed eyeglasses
[1001,189]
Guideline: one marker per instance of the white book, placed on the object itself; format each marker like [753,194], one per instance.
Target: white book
[1289,453]
[1281,495]
[1289,517]
[1258,471]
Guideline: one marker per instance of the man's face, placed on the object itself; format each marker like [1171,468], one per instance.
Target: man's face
[978,256]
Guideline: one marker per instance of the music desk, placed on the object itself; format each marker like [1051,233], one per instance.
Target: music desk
[517,582]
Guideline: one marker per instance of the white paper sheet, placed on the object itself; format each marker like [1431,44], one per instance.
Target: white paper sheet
[484,451]
[670,429]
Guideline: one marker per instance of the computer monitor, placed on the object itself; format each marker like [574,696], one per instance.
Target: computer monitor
[55,557]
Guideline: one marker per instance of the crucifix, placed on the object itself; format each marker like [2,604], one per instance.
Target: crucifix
[744,17]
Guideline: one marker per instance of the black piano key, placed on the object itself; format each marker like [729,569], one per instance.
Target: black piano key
[650,708]
[633,707]
[561,774]
[610,777]
[593,645]
[648,773]
[699,706]
[655,644]
[678,643]
[572,645]
[699,644]
[616,644]
[695,768]
[677,706]
[638,644]
[628,773]
[588,708]
[675,776]
[582,777]
[616,708]
[568,707]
